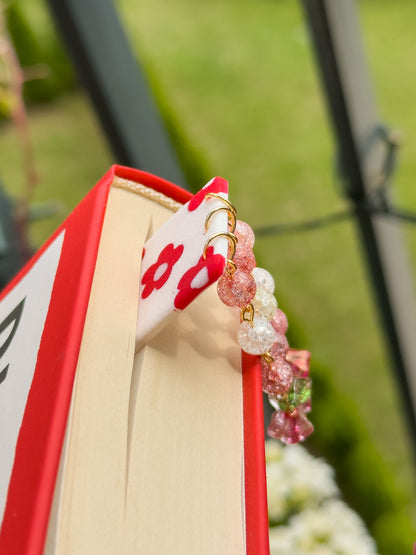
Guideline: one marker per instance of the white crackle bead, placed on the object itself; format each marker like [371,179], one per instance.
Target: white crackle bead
[256,338]
[263,279]
[264,303]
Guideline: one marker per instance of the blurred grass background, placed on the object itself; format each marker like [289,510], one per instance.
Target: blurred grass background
[237,84]
[240,80]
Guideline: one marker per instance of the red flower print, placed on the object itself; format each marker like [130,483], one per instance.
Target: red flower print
[219,185]
[158,273]
[196,279]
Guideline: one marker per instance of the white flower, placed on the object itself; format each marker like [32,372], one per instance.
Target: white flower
[299,483]
[332,529]
[295,480]
[274,450]
[279,492]
[281,540]
[313,479]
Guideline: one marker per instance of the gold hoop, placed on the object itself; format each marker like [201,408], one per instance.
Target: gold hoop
[250,310]
[230,267]
[230,206]
[231,216]
[267,357]
[229,236]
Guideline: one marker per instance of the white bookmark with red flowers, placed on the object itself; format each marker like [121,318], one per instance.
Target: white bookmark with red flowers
[182,258]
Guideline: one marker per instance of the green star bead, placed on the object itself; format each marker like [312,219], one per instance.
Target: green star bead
[299,393]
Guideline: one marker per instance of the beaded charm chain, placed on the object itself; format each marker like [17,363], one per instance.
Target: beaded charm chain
[285,371]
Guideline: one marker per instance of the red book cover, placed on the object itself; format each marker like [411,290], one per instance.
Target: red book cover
[42,314]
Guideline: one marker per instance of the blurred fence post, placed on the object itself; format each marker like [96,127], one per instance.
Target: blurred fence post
[118,88]
[15,250]
[338,47]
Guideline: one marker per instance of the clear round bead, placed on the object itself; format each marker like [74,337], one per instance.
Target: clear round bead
[263,279]
[256,338]
[264,303]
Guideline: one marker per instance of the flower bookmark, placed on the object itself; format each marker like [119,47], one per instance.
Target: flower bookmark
[204,243]
[176,266]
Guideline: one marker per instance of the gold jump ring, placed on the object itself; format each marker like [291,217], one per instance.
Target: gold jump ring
[247,310]
[267,357]
[231,216]
[231,207]
[229,236]
[230,267]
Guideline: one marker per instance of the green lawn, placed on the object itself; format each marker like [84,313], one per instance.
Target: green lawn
[238,79]
[71,155]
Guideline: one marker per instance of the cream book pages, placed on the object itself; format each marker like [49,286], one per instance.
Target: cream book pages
[153,456]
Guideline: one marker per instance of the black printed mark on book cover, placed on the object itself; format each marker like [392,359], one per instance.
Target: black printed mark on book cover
[12,318]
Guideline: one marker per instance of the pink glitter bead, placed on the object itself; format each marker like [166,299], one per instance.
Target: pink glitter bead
[279,322]
[244,234]
[290,428]
[244,258]
[270,369]
[299,360]
[236,291]
[276,377]
[280,347]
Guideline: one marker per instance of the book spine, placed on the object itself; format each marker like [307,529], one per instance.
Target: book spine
[256,518]
[43,426]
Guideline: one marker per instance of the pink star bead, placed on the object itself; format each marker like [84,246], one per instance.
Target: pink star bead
[281,427]
[237,290]
[244,234]
[290,428]
[279,322]
[303,427]
[299,360]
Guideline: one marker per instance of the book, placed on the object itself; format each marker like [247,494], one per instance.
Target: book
[109,448]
